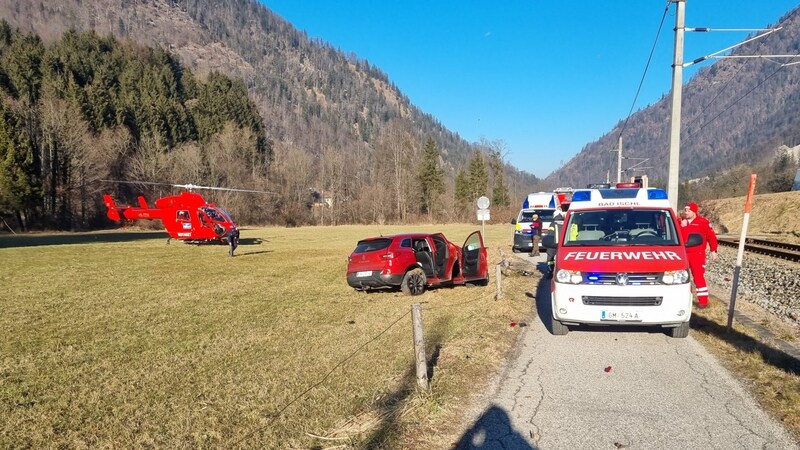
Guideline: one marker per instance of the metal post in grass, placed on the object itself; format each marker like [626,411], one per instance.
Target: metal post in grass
[419,347]
[748,205]
[498,280]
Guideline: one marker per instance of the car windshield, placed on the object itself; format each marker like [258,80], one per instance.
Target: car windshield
[371,245]
[621,227]
[545,215]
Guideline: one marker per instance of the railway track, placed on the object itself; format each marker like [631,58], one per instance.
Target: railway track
[782,250]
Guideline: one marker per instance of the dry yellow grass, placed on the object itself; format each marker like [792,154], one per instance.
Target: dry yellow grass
[772,376]
[775,214]
[116,340]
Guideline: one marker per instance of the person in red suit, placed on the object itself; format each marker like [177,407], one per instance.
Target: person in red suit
[694,223]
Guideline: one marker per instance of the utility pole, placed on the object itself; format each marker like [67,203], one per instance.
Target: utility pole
[675,120]
[619,160]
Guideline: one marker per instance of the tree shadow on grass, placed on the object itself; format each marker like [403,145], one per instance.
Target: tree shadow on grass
[770,355]
[34,240]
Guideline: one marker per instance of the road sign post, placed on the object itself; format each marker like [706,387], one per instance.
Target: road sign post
[483,213]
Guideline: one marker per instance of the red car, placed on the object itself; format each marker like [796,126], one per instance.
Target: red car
[415,261]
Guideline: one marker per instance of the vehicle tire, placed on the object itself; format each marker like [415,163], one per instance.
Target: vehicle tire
[413,282]
[557,328]
[515,249]
[681,331]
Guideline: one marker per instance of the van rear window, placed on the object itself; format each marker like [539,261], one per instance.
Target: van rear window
[371,245]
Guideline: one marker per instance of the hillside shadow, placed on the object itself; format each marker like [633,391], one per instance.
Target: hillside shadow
[772,356]
[34,240]
[493,430]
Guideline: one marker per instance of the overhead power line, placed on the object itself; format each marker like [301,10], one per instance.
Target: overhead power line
[644,75]
[646,67]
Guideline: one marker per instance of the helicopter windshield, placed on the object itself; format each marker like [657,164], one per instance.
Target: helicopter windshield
[216,215]
[225,213]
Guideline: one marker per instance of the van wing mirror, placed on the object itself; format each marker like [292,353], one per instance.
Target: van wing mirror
[513,221]
[694,240]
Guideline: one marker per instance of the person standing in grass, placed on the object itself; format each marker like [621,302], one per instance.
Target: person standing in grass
[536,234]
[233,239]
[692,222]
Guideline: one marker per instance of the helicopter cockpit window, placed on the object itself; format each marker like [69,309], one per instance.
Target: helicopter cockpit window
[183,215]
[214,214]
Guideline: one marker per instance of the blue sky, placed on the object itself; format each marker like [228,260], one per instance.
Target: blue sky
[543,77]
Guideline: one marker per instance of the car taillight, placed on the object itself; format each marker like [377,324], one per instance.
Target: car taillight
[388,255]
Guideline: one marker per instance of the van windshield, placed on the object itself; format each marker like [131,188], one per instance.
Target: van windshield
[621,227]
[526,216]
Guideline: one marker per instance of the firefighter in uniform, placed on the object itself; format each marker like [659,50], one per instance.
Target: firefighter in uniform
[694,223]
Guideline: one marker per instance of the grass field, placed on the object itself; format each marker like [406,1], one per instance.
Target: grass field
[117,340]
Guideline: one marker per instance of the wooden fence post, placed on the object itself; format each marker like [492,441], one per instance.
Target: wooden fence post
[419,347]
[499,282]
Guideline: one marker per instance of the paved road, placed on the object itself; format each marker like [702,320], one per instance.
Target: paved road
[601,389]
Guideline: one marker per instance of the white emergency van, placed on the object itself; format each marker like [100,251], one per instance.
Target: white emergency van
[620,260]
[545,205]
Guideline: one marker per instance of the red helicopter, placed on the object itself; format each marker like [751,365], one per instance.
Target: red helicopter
[186,216]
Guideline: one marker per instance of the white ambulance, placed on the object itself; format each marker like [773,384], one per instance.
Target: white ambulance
[620,260]
[543,204]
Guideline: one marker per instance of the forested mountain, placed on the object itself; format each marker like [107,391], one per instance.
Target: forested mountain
[332,122]
[736,114]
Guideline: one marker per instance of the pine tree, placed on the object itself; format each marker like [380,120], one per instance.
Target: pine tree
[462,188]
[500,196]
[478,177]
[20,191]
[431,176]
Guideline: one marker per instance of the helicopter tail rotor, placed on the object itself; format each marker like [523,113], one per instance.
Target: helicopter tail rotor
[113,213]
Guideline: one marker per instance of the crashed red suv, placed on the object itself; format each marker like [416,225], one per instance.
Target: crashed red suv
[415,261]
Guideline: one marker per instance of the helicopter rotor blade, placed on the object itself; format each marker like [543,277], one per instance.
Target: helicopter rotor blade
[214,188]
[139,182]
[191,187]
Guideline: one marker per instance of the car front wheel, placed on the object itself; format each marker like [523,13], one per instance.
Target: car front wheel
[413,282]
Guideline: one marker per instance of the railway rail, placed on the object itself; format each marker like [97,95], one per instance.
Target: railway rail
[782,250]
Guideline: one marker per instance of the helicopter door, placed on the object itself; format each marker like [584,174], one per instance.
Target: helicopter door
[204,220]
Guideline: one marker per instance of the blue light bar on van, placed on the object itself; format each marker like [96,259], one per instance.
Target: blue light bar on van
[656,194]
[581,196]
[525,204]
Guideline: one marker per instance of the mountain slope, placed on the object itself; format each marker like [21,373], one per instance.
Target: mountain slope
[736,111]
[313,97]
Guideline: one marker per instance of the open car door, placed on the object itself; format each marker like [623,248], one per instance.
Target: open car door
[475,263]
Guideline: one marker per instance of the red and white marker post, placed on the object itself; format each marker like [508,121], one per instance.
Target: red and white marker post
[748,205]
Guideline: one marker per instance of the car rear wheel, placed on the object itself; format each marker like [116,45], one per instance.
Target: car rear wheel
[413,282]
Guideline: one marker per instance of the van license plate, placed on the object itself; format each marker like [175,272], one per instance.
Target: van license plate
[364,274]
[620,315]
